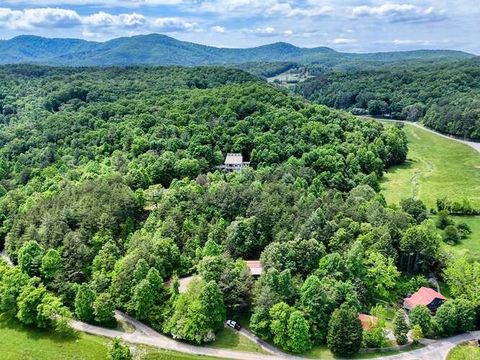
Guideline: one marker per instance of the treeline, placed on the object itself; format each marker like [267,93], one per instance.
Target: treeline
[266,69]
[445,95]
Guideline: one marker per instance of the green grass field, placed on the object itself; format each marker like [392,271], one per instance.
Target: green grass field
[228,339]
[21,343]
[322,352]
[469,247]
[468,351]
[173,355]
[437,167]
[18,342]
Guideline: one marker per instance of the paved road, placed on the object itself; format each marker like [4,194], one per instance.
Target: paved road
[147,336]
[472,144]
[437,350]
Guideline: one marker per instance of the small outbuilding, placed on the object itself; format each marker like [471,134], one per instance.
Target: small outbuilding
[424,296]
[255,267]
[368,321]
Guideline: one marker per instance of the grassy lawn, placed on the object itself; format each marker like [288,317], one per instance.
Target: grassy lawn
[232,340]
[322,352]
[170,355]
[18,342]
[437,167]
[469,247]
[468,351]
[21,343]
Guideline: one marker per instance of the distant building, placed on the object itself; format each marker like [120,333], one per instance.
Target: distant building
[368,321]
[234,162]
[424,296]
[255,267]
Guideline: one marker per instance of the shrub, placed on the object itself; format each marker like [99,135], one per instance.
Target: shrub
[400,328]
[455,316]
[421,315]
[118,351]
[417,334]
[451,235]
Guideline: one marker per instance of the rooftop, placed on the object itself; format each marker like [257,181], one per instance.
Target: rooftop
[255,267]
[368,321]
[423,296]
[234,159]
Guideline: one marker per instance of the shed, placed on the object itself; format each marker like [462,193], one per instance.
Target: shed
[255,267]
[368,321]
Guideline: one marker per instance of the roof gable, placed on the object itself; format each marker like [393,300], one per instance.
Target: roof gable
[424,296]
[234,159]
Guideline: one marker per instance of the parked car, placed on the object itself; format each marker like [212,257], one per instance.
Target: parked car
[233,324]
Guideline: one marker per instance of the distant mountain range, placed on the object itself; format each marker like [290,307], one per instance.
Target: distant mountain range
[158,49]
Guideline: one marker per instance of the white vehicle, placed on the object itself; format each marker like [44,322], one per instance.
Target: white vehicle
[233,324]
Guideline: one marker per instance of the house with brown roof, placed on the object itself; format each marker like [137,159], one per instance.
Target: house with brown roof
[424,296]
[368,321]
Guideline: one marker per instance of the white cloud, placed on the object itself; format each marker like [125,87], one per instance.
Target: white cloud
[341,41]
[106,20]
[173,24]
[218,29]
[411,42]
[311,11]
[398,12]
[92,25]
[99,3]
[239,8]
[29,19]
[263,31]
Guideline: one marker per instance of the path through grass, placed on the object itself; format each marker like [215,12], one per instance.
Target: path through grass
[437,167]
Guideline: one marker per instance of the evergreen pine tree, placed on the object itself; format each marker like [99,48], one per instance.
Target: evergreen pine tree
[344,331]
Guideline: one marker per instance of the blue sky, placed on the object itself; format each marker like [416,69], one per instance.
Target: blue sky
[345,25]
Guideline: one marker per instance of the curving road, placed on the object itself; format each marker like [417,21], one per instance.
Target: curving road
[472,144]
[147,336]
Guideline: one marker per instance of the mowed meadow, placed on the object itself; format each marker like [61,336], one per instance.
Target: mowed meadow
[436,167]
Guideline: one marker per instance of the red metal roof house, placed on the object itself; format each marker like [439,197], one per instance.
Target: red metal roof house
[424,296]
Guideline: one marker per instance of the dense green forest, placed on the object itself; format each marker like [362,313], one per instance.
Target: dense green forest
[446,95]
[110,191]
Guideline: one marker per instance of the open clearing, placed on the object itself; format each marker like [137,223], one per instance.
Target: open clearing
[436,167]
[18,342]
[469,247]
[228,339]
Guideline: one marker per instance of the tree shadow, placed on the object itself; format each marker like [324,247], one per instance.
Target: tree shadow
[35,333]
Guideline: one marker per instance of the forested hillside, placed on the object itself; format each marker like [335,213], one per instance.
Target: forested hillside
[110,192]
[446,96]
[164,50]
